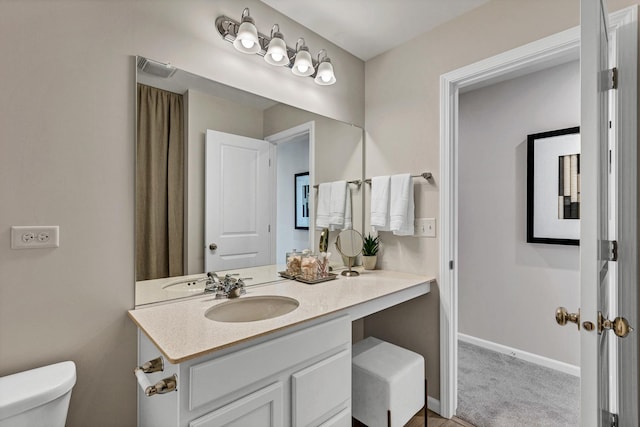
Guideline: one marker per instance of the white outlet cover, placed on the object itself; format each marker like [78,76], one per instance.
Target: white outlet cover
[35,236]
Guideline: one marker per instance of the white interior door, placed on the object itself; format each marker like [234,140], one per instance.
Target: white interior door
[237,202]
[599,289]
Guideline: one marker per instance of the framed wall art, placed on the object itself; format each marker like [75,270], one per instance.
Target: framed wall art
[302,201]
[553,187]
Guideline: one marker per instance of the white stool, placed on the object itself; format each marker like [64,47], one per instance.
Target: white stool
[388,384]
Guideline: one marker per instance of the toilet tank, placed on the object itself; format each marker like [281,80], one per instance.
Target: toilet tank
[37,397]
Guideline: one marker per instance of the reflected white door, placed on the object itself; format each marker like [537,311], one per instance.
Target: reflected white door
[598,288]
[237,202]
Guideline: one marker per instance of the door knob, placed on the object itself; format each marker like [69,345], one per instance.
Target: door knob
[620,326]
[213,246]
[563,316]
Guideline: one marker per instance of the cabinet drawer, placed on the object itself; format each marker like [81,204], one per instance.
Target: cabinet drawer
[219,377]
[263,408]
[331,376]
[341,419]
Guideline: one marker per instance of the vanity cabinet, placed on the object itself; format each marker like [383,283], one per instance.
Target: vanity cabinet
[297,378]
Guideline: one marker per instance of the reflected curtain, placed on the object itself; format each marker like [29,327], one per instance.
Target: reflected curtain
[159,184]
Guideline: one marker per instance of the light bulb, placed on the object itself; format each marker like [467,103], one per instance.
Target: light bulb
[303,68]
[325,78]
[277,57]
[247,43]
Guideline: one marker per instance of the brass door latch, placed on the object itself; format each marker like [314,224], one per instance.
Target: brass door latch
[620,326]
[563,316]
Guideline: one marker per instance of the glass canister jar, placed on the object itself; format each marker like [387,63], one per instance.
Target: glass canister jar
[309,267]
[294,263]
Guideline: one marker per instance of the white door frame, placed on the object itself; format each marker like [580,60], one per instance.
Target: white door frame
[538,55]
[284,136]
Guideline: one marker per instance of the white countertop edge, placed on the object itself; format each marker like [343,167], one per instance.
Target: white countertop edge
[416,286]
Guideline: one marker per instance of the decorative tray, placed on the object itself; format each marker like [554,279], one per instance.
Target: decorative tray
[331,276]
[286,275]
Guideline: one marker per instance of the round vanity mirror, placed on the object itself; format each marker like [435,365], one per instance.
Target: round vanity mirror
[349,244]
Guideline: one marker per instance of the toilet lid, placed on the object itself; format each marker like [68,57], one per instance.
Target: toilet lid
[26,390]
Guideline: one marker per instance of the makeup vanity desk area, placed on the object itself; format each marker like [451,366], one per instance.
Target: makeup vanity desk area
[293,369]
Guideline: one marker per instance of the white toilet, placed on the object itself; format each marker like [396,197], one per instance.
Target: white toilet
[39,397]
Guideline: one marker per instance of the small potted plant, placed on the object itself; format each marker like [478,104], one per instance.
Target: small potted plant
[370,251]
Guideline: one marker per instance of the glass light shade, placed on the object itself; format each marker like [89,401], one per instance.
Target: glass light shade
[277,52]
[325,74]
[303,65]
[247,39]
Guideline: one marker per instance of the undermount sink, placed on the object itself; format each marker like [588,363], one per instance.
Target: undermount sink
[251,309]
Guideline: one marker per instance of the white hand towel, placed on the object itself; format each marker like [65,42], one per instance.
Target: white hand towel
[380,203]
[324,206]
[402,205]
[338,203]
[348,222]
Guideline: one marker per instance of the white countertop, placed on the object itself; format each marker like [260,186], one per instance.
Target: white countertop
[181,331]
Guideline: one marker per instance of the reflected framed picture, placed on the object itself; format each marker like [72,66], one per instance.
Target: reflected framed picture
[302,201]
[553,187]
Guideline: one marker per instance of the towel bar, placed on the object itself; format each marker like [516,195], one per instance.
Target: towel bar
[355,181]
[425,175]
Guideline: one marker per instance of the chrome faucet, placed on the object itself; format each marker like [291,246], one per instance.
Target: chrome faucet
[227,287]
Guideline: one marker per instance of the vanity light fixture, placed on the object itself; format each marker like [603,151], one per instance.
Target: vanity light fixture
[303,64]
[277,51]
[324,75]
[245,37]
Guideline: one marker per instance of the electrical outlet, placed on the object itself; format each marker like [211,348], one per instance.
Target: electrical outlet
[425,227]
[35,237]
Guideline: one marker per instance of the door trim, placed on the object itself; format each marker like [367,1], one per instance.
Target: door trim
[544,53]
[280,138]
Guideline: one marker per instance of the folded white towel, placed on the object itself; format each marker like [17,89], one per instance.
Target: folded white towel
[380,203]
[323,213]
[338,203]
[348,222]
[402,205]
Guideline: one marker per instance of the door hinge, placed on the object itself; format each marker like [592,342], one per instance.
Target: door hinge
[269,228]
[269,162]
[451,265]
[609,250]
[612,78]
[609,419]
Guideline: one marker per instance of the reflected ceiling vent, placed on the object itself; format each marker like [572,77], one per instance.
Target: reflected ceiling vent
[156,68]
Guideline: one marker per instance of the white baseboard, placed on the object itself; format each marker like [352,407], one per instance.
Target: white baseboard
[523,355]
[433,404]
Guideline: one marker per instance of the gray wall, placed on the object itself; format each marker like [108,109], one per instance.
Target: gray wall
[501,276]
[67,158]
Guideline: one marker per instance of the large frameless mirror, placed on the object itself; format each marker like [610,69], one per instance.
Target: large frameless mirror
[218,184]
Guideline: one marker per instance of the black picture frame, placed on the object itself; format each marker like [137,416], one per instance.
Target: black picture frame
[546,153]
[301,204]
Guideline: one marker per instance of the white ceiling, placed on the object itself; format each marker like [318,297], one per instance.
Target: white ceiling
[366,28]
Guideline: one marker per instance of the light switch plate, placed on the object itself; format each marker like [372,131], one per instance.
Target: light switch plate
[35,236]
[425,227]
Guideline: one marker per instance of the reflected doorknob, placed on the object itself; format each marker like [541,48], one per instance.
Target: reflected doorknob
[620,326]
[213,246]
[563,316]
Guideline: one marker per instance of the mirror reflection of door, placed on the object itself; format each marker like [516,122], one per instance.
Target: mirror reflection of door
[237,202]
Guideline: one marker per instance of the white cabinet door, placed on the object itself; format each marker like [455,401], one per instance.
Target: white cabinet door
[262,408]
[341,419]
[321,389]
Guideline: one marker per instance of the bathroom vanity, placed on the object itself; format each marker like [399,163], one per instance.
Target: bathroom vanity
[293,369]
